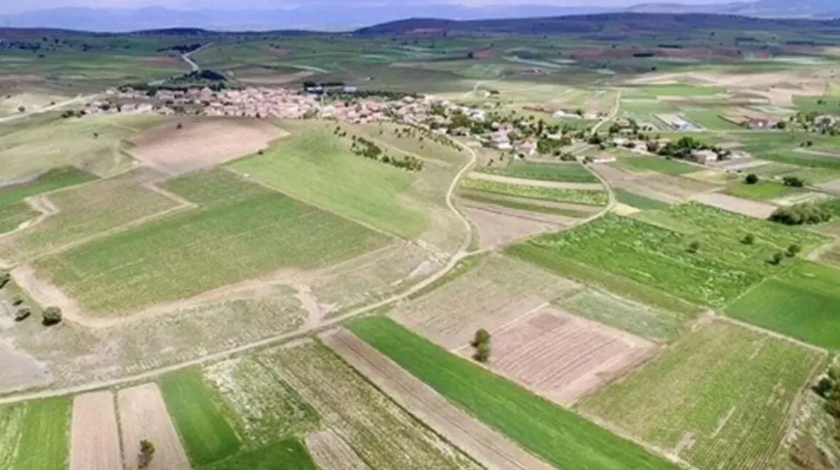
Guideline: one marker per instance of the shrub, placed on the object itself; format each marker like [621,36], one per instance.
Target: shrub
[793,181]
[793,250]
[147,451]
[694,247]
[825,386]
[751,178]
[17,299]
[777,258]
[23,312]
[749,239]
[5,277]
[799,214]
[482,336]
[482,353]
[52,316]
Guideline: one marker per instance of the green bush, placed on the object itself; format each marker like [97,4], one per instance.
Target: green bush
[751,178]
[799,214]
[5,277]
[749,239]
[52,316]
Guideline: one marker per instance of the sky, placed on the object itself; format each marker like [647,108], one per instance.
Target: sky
[10,6]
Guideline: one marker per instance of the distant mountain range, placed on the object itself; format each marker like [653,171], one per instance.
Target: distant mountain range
[332,17]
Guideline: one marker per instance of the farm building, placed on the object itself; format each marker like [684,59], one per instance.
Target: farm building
[704,156]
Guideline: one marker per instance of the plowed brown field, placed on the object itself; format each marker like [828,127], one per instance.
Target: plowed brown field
[143,415]
[95,442]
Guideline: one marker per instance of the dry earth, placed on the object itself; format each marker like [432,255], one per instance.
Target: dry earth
[498,226]
[202,143]
[19,371]
[563,357]
[831,186]
[95,442]
[330,452]
[633,183]
[759,210]
[624,209]
[492,450]
[143,415]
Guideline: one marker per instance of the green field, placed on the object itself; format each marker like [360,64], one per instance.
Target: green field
[761,191]
[657,164]
[710,119]
[200,421]
[535,192]
[522,204]
[722,268]
[86,211]
[35,435]
[802,303]
[13,211]
[652,323]
[723,391]
[638,201]
[315,166]
[267,408]
[559,436]
[289,455]
[240,230]
[569,172]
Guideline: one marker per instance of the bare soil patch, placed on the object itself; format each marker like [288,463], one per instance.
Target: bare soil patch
[492,450]
[330,452]
[498,226]
[564,357]
[634,183]
[536,183]
[493,294]
[202,143]
[624,209]
[738,205]
[19,371]
[143,415]
[95,442]
[830,186]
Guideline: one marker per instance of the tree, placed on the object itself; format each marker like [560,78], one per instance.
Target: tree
[751,178]
[179,126]
[23,313]
[781,125]
[793,250]
[21,109]
[825,386]
[793,181]
[805,213]
[52,316]
[5,277]
[147,452]
[482,352]
[694,247]
[749,239]
[482,336]
[777,257]
[17,299]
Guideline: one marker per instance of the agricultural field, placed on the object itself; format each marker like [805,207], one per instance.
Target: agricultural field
[95,441]
[559,436]
[494,291]
[578,196]
[79,214]
[801,302]
[291,454]
[383,434]
[143,415]
[34,435]
[316,166]
[201,423]
[719,398]
[638,201]
[567,172]
[761,191]
[231,236]
[716,272]
[655,164]
[529,205]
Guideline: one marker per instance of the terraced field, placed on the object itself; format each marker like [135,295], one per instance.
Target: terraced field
[557,435]
[381,433]
[35,435]
[534,192]
[240,230]
[719,398]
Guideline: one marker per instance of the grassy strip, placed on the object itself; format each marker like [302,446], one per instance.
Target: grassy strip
[290,454]
[534,192]
[464,266]
[623,286]
[559,436]
[761,191]
[50,181]
[568,172]
[524,206]
[637,201]
[207,436]
[657,164]
[14,214]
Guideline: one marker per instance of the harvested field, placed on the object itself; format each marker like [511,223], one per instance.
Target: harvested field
[557,435]
[95,441]
[498,226]
[719,398]
[143,415]
[491,449]
[90,211]
[494,293]
[20,370]
[330,452]
[202,143]
[563,357]
[381,433]
[537,183]
[759,210]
